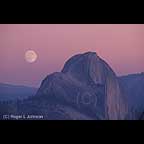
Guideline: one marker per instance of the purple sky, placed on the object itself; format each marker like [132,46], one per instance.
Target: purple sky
[121,46]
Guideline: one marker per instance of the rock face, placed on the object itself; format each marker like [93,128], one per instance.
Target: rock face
[134,88]
[87,85]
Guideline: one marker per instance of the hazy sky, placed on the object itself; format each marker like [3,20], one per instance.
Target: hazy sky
[121,46]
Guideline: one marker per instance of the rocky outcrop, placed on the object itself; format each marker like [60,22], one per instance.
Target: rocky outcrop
[88,85]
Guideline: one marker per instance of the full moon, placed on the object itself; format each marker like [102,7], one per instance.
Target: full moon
[30,56]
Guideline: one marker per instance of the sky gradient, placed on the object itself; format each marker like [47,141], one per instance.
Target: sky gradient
[120,45]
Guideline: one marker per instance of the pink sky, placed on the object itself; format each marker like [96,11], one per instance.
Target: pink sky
[120,45]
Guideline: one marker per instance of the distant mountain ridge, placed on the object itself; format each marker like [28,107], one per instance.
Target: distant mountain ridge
[13,92]
[134,88]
